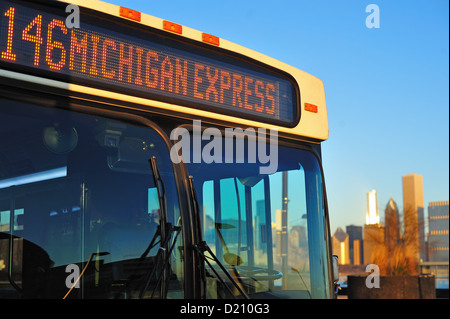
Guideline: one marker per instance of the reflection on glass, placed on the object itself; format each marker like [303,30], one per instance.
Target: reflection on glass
[34,177]
[83,193]
[273,225]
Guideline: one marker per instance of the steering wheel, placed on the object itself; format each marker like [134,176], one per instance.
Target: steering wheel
[258,273]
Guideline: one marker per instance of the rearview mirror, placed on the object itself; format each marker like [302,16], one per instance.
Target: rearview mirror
[131,156]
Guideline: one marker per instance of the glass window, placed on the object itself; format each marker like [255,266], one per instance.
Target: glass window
[269,231]
[85,211]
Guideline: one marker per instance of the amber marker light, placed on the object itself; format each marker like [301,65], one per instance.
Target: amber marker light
[211,39]
[172,27]
[130,14]
[311,107]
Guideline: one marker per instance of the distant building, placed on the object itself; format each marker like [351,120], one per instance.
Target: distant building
[392,225]
[373,231]
[372,216]
[355,234]
[281,234]
[413,213]
[357,252]
[438,224]
[341,246]
[373,237]
[260,227]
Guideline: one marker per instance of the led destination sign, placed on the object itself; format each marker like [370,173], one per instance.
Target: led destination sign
[120,58]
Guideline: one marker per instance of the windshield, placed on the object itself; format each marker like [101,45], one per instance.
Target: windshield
[269,230]
[80,214]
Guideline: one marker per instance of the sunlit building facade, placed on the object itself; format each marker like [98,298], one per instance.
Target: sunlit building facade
[438,223]
[372,216]
[373,238]
[341,246]
[413,213]
[392,225]
[355,244]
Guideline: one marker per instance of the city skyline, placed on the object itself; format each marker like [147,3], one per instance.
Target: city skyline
[373,215]
[386,88]
[424,234]
[399,200]
[358,245]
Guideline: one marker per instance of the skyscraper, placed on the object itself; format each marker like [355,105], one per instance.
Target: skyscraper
[341,246]
[439,226]
[373,238]
[392,225]
[260,226]
[355,234]
[413,213]
[372,216]
[373,231]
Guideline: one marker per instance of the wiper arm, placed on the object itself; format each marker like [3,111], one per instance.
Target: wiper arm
[164,231]
[203,246]
[167,257]
[162,251]
[152,243]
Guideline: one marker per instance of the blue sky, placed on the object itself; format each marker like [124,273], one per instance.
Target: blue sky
[386,89]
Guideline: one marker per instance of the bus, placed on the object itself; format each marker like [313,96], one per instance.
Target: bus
[140,158]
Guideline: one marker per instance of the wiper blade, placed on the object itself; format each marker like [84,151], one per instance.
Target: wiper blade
[162,251]
[162,206]
[202,247]
[168,254]
[159,184]
[164,231]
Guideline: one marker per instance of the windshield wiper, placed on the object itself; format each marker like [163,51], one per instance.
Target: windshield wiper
[159,184]
[165,231]
[166,257]
[203,247]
